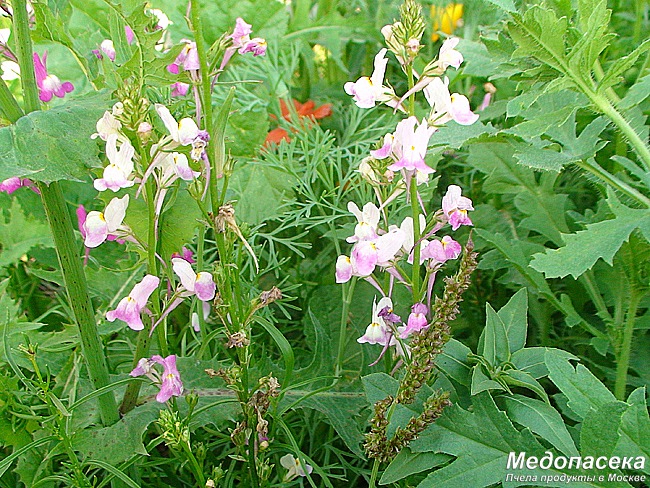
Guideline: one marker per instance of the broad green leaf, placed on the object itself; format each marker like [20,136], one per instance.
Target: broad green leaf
[599,240]
[120,441]
[542,419]
[514,316]
[453,362]
[583,390]
[482,382]
[246,132]
[493,345]
[599,432]
[533,359]
[481,440]
[522,379]
[635,428]
[407,463]
[455,135]
[20,233]
[54,144]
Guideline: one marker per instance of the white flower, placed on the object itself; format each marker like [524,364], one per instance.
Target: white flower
[295,467]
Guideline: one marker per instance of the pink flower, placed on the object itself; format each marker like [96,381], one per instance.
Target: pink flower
[412,146]
[442,250]
[98,225]
[242,41]
[106,126]
[378,332]
[171,378]
[257,46]
[186,254]
[200,284]
[455,207]
[120,166]
[106,47]
[183,132]
[366,255]
[366,92]
[188,58]
[417,320]
[48,85]
[180,89]
[10,185]
[129,308]
[344,269]
[170,383]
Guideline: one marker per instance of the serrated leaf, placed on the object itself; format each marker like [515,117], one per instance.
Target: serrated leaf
[20,233]
[583,390]
[596,241]
[455,135]
[54,144]
[407,463]
[619,67]
[542,419]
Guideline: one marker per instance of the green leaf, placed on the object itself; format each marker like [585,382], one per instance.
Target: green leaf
[540,34]
[533,359]
[482,382]
[583,390]
[453,362]
[599,433]
[246,132]
[599,240]
[407,463]
[636,94]
[455,135]
[493,344]
[120,441]
[507,5]
[635,428]
[542,419]
[20,233]
[514,316]
[619,67]
[481,440]
[54,144]
[593,22]
[514,377]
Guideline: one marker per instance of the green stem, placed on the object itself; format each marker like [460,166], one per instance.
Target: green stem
[623,362]
[347,300]
[194,465]
[373,475]
[8,104]
[409,74]
[133,389]
[639,146]
[596,170]
[64,239]
[415,208]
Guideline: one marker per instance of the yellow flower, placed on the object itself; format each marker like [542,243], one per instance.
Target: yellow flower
[446,19]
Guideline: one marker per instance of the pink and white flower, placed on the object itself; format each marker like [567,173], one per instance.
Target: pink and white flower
[129,308]
[295,467]
[377,331]
[106,126]
[188,58]
[242,41]
[48,85]
[455,207]
[366,92]
[99,225]
[368,219]
[200,284]
[417,320]
[410,146]
[116,174]
[440,251]
[183,132]
[446,107]
[366,255]
[170,382]
[448,56]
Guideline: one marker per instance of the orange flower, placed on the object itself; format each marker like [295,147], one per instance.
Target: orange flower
[304,110]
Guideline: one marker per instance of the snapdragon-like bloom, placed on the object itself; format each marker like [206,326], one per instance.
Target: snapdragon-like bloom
[368,219]
[412,145]
[446,107]
[180,89]
[200,284]
[366,255]
[440,251]
[106,126]
[129,308]
[417,320]
[105,48]
[241,39]
[295,467]
[116,174]
[10,185]
[170,382]
[188,58]
[183,132]
[377,331]
[455,207]
[344,269]
[99,225]
[186,254]
[448,56]
[48,85]
[366,92]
